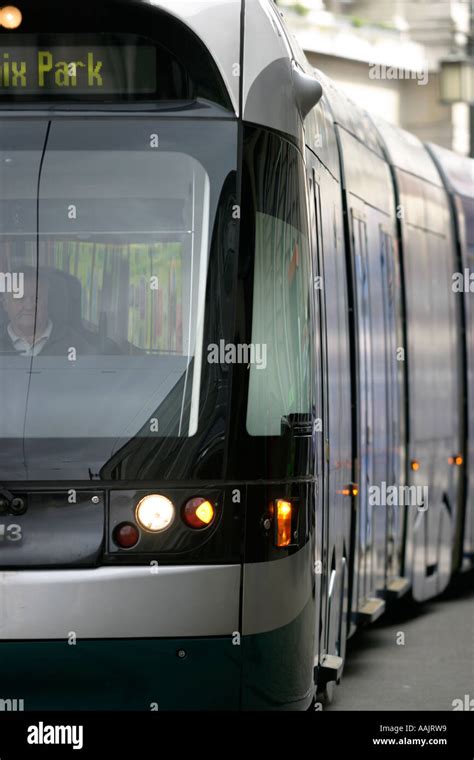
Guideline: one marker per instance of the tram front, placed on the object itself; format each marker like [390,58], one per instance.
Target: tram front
[157,473]
[119,543]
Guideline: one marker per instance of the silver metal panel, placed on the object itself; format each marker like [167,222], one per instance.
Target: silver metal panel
[465,208]
[120,602]
[320,136]
[437,212]
[217,24]
[366,174]
[349,115]
[267,70]
[458,174]
[276,592]
[411,199]
[458,170]
[267,56]
[261,107]
[264,43]
[367,178]
[428,254]
[406,151]
[336,518]
[318,125]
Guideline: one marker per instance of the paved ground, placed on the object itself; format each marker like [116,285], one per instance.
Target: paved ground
[433,667]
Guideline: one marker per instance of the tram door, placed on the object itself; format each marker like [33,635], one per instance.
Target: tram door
[321,433]
[365,399]
[392,399]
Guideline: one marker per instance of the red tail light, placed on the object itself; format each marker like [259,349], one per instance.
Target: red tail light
[126,535]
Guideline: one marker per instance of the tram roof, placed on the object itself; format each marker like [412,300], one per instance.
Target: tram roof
[457,170]
[268,53]
[268,65]
[217,24]
[406,151]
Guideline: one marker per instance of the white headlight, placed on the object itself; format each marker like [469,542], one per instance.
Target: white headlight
[155,513]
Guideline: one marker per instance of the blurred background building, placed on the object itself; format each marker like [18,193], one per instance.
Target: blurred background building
[411,61]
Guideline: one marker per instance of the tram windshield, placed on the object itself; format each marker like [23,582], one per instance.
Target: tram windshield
[105,234]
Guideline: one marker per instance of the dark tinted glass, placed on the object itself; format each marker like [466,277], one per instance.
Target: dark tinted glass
[104,260]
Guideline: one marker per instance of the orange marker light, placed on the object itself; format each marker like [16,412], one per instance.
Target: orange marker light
[198,513]
[415,465]
[10,17]
[205,512]
[459,460]
[283,522]
[351,490]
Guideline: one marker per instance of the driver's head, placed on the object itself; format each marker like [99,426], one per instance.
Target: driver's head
[28,314]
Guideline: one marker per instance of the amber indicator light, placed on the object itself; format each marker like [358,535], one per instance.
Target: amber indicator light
[198,513]
[283,514]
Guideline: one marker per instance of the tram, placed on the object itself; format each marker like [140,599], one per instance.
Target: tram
[236,361]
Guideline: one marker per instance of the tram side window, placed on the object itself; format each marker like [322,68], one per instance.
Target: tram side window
[280,383]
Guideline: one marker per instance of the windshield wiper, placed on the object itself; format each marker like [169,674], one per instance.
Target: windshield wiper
[5,493]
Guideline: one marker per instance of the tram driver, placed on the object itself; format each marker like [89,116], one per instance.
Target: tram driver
[30,329]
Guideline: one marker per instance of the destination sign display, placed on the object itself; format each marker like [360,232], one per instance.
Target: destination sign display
[95,70]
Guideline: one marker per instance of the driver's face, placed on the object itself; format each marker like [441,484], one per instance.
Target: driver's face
[22,311]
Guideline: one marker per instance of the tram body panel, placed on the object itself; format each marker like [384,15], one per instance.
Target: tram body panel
[377,509]
[278,641]
[458,176]
[430,444]
[125,625]
[466,213]
[276,409]
[127,674]
[468,260]
[333,434]
[176,601]
[426,236]
[340,422]
[333,539]
[355,121]
[268,66]
[366,176]
[215,24]
[435,376]
[320,137]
